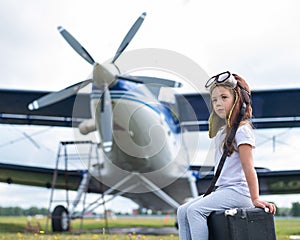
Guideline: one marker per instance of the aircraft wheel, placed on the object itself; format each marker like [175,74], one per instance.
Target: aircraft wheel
[176,225]
[60,219]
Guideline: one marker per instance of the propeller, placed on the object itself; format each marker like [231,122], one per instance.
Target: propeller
[104,76]
[135,27]
[58,96]
[106,120]
[75,45]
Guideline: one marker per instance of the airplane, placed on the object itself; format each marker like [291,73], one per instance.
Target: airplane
[141,145]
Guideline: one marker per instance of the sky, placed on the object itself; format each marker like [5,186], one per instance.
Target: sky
[256,39]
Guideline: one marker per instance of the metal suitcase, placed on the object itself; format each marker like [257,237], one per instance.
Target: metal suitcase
[241,224]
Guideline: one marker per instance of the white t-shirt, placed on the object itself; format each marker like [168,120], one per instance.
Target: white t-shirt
[232,174]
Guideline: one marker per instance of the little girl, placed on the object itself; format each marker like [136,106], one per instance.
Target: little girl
[237,185]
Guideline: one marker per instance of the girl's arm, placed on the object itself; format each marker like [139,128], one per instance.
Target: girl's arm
[245,151]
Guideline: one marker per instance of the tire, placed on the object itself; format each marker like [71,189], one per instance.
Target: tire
[60,219]
[176,225]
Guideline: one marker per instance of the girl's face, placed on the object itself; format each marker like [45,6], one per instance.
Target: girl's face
[222,101]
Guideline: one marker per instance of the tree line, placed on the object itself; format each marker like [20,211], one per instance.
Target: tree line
[293,211]
[32,211]
[18,211]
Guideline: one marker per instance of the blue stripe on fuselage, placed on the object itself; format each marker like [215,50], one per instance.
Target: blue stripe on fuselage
[130,91]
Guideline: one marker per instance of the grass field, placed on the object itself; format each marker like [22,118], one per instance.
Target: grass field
[15,228]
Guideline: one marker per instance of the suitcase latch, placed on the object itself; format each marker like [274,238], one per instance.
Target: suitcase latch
[231,212]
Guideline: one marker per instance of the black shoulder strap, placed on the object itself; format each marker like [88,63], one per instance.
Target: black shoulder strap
[225,153]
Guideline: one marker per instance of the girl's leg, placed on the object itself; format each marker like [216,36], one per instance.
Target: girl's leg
[183,225]
[198,211]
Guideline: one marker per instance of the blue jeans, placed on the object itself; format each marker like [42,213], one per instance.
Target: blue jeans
[192,216]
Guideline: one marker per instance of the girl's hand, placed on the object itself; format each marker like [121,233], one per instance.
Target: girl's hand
[262,204]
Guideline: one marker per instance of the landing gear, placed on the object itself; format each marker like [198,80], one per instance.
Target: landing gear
[60,219]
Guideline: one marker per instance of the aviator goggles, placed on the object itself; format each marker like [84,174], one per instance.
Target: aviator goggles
[225,78]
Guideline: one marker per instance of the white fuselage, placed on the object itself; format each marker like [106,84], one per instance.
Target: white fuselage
[147,139]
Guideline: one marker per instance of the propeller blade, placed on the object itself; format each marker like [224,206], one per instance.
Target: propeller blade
[58,96]
[133,30]
[76,45]
[151,80]
[106,120]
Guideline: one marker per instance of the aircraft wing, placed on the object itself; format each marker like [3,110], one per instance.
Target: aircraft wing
[271,109]
[270,182]
[14,110]
[43,177]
